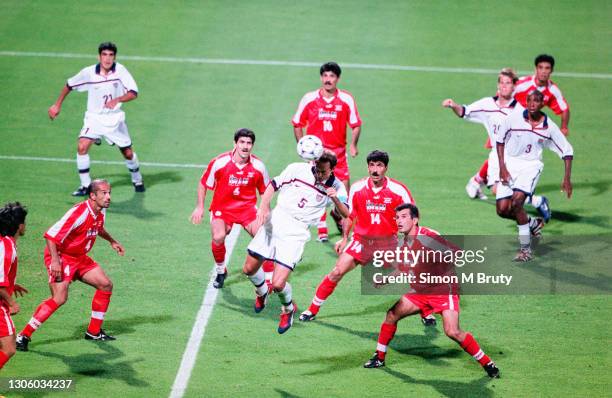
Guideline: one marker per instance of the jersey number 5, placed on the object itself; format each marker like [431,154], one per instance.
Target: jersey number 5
[302,203]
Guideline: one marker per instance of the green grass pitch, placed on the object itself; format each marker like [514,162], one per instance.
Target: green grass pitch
[186,113]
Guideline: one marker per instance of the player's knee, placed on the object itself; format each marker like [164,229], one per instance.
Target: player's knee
[218,238]
[517,203]
[336,275]
[391,317]
[452,332]
[127,153]
[278,286]
[106,286]
[9,351]
[82,148]
[60,299]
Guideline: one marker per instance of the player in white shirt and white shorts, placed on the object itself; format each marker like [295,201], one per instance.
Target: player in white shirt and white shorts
[304,192]
[520,142]
[108,84]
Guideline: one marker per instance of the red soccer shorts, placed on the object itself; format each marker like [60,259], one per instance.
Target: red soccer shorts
[434,303]
[363,250]
[7,328]
[73,267]
[341,171]
[243,218]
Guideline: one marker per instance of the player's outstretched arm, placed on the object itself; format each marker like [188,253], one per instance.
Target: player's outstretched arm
[13,305]
[341,207]
[354,141]
[114,244]
[449,103]
[55,109]
[196,215]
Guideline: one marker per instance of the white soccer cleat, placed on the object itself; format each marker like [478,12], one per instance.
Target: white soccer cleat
[472,188]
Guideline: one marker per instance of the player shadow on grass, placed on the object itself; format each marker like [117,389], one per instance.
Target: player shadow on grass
[244,306]
[237,277]
[150,179]
[286,394]
[134,207]
[598,187]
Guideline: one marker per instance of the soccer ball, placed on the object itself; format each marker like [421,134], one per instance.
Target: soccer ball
[310,147]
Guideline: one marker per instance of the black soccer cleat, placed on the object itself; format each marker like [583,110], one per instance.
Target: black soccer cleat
[98,141]
[492,370]
[429,320]
[307,316]
[21,343]
[80,191]
[220,280]
[102,336]
[374,362]
[139,186]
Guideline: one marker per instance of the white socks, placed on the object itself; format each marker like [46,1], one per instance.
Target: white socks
[83,167]
[134,168]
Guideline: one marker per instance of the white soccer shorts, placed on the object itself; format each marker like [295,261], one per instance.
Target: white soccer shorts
[113,133]
[525,176]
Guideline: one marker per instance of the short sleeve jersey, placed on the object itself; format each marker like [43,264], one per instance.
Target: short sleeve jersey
[301,196]
[76,232]
[525,142]
[327,118]
[373,209]
[8,271]
[487,112]
[553,98]
[235,186]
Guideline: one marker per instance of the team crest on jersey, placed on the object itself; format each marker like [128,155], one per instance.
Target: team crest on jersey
[319,197]
[338,108]
[540,141]
[217,213]
[250,174]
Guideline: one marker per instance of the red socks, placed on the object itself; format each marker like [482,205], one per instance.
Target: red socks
[387,331]
[3,359]
[42,313]
[470,346]
[218,252]
[99,305]
[482,173]
[322,226]
[325,289]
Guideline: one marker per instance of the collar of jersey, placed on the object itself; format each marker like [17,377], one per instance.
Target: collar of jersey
[511,105]
[112,69]
[526,117]
[371,185]
[232,159]
[332,98]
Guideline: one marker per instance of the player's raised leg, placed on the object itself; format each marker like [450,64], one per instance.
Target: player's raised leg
[83,164]
[401,309]
[59,295]
[132,164]
[253,270]
[99,305]
[344,264]
[450,319]
[268,265]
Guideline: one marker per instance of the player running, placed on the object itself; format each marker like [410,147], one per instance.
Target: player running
[520,141]
[491,112]
[325,113]
[304,191]
[236,177]
[68,242]
[420,299]
[372,201]
[108,84]
[12,227]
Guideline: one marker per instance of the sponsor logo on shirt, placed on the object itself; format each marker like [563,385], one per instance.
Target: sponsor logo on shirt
[375,207]
[238,181]
[327,115]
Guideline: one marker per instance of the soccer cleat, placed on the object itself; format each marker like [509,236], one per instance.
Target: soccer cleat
[536,226]
[492,370]
[429,320]
[102,336]
[480,195]
[80,191]
[286,320]
[22,342]
[307,316]
[523,255]
[323,238]
[472,188]
[544,210]
[98,141]
[261,301]
[220,280]
[139,186]
[374,362]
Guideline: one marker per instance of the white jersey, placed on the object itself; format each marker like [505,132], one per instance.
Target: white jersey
[300,196]
[524,142]
[102,89]
[486,111]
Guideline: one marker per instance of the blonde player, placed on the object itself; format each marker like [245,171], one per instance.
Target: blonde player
[108,84]
[304,191]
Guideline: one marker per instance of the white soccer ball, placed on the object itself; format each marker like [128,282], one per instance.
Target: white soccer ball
[310,147]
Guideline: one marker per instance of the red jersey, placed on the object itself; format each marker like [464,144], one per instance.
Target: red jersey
[77,230]
[235,186]
[373,209]
[327,118]
[8,270]
[552,95]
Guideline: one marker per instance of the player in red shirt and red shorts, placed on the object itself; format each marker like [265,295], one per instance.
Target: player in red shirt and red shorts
[325,113]
[236,177]
[68,242]
[12,226]
[372,203]
[427,298]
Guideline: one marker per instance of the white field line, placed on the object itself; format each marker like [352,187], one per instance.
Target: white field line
[117,162]
[224,61]
[190,355]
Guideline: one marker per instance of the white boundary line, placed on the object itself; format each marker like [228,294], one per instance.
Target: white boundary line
[181,382]
[117,162]
[224,61]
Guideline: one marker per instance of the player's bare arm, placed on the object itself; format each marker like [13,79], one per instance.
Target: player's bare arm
[298,132]
[102,233]
[354,141]
[341,244]
[341,207]
[504,174]
[20,290]
[196,215]
[449,103]
[565,117]
[264,206]
[566,185]
[55,265]
[54,110]
[13,305]
[127,97]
